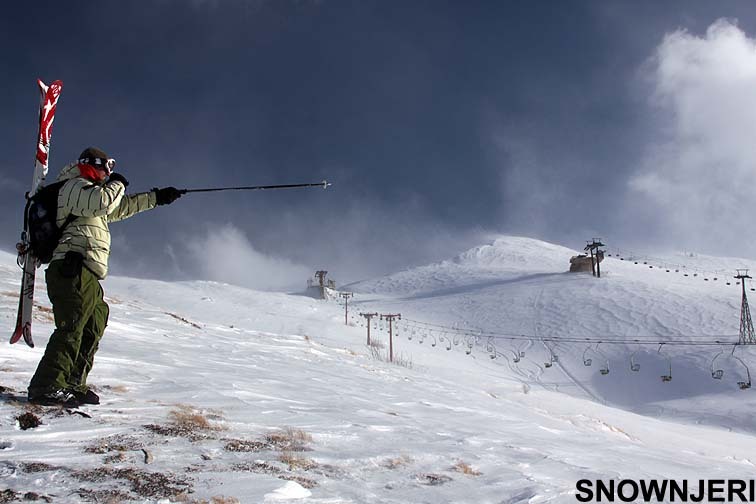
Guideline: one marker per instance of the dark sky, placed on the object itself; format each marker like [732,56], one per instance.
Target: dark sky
[437,123]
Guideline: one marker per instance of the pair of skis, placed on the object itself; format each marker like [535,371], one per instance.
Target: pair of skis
[48,104]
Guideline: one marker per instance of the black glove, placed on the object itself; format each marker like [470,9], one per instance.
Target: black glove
[166,195]
[119,178]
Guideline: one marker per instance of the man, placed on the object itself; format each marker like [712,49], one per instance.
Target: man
[91,197]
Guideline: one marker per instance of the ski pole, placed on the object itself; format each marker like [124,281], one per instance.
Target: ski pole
[323,184]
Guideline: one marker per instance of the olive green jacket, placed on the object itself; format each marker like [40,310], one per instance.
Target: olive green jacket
[92,206]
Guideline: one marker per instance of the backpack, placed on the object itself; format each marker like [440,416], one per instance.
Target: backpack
[41,217]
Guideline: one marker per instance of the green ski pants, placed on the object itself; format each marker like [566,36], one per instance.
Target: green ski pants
[81,315]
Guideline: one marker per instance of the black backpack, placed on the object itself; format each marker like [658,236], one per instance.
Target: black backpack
[41,216]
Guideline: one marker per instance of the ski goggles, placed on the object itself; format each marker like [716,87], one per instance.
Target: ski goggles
[100,163]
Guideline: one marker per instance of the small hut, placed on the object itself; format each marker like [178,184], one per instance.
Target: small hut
[583,262]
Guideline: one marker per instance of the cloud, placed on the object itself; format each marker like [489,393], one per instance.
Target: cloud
[226,255]
[8,184]
[699,175]
[370,238]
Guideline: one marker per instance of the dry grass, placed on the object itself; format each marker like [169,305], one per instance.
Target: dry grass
[374,343]
[144,484]
[188,422]
[399,359]
[37,467]
[154,485]
[464,468]
[218,499]
[115,443]
[289,439]
[286,440]
[116,458]
[257,467]
[295,461]
[9,495]
[397,462]
[106,496]
[188,417]
[28,421]
[272,470]
[245,446]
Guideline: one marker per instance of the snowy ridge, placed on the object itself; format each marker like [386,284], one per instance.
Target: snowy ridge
[505,257]
[250,367]
[515,253]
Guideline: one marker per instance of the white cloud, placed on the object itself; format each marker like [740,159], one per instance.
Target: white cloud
[700,175]
[226,255]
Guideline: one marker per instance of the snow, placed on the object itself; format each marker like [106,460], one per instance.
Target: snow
[289,491]
[208,378]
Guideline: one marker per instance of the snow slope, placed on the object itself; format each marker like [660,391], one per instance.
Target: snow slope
[267,397]
[520,286]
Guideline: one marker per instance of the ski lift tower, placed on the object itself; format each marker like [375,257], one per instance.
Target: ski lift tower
[747,336]
[594,245]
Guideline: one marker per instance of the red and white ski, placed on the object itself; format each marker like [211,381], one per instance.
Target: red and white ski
[47,106]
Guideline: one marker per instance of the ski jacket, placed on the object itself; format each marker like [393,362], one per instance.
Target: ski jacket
[93,206]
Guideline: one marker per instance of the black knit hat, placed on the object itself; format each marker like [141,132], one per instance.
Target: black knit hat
[93,156]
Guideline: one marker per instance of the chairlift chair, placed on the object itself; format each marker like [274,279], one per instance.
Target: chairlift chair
[491,348]
[420,336]
[520,351]
[744,385]
[604,370]
[552,359]
[717,374]
[667,377]
[587,361]
[634,366]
